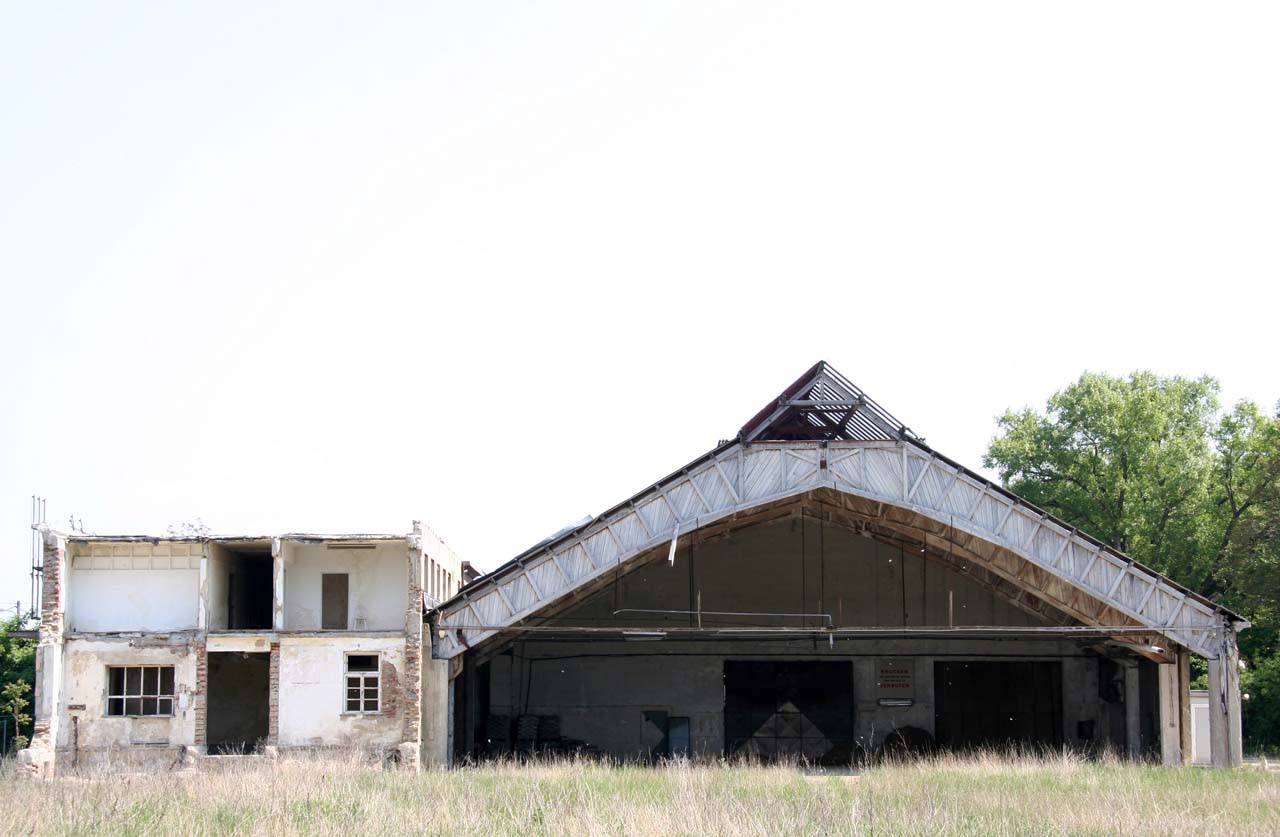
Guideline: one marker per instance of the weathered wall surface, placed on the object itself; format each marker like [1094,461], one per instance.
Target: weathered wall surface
[85,684]
[435,711]
[376,591]
[134,587]
[311,706]
[443,569]
[601,689]
[790,568]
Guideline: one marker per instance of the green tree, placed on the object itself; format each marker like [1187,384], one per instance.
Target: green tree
[1248,572]
[17,670]
[1126,459]
[1151,465]
[14,703]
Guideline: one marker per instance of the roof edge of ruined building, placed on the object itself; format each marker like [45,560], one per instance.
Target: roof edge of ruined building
[87,537]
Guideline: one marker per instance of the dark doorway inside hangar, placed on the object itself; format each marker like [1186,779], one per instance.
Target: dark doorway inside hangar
[239,693]
[997,704]
[789,710]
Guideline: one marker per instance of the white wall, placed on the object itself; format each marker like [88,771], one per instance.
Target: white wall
[134,587]
[218,581]
[377,587]
[312,690]
[1200,751]
[443,568]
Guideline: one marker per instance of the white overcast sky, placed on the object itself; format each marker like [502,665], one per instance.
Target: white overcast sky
[497,266]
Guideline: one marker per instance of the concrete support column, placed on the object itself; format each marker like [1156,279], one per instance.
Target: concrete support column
[435,710]
[414,649]
[1224,704]
[277,584]
[202,601]
[1186,744]
[1132,716]
[40,756]
[1170,707]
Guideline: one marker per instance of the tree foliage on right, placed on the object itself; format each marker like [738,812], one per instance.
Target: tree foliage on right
[1155,467]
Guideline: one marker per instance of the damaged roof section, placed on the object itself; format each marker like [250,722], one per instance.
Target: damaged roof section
[823,405]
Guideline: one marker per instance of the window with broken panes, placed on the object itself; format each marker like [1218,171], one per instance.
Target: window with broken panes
[139,691]
[363,684]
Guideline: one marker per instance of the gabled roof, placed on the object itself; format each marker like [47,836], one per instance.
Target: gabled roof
[823,434]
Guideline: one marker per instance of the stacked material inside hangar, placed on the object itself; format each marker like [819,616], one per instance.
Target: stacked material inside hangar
[822,586]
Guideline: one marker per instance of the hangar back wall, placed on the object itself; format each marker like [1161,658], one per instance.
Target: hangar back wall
[601,689]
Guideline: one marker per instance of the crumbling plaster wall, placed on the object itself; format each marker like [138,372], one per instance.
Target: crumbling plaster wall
[312,692]
[84,684]
[376,586]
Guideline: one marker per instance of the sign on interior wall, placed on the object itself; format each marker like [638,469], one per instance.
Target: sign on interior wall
[895,682]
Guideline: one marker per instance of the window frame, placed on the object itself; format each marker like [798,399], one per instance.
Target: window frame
[142,693]
[365,676]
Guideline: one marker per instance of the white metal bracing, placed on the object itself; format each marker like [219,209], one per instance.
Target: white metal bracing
[904,473]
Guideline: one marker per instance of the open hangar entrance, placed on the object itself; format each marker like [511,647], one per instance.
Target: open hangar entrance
[805,632]
[827,531]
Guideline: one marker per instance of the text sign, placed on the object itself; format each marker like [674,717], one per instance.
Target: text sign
[895,679]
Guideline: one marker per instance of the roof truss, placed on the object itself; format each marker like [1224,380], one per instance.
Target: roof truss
[901,485]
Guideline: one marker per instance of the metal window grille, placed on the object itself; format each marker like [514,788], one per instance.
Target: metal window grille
[139,691]
[364,684]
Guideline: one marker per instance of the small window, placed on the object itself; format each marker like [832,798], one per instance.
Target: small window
[363,690]
[139,691]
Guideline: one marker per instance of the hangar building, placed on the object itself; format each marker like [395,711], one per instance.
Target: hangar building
[821,586]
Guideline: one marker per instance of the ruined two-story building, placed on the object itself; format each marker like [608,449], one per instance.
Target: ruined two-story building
[162,650]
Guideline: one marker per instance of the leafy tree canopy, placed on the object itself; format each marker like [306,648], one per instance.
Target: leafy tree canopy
[17,674]
[1153,466]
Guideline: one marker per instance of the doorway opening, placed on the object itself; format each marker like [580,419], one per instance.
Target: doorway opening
[789,710]
[249,589]
[997,704]
[238,718]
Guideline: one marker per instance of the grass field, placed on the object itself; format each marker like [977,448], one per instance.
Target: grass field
[982,795]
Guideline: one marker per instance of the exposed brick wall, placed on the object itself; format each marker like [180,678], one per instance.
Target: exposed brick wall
[273,697]
[411,682]
[390,689]
[201,695]
[51,615]
[52,625]
[411,687]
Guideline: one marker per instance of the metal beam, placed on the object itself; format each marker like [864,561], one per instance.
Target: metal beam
[763,477]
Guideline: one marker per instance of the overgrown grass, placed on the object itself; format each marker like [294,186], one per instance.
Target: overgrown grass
[987,794]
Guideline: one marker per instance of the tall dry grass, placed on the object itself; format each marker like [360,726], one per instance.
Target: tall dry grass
[984,794]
